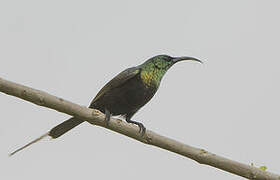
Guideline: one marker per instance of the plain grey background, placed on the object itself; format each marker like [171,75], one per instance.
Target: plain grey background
[229,105]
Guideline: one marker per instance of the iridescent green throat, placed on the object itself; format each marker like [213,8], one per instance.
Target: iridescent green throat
[152,72]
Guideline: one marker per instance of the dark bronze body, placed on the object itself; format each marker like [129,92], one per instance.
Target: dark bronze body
[123,95]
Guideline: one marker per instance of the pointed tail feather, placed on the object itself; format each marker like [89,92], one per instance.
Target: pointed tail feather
[55,132]
[32,142]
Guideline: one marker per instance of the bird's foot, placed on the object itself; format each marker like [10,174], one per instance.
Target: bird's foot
[142,129]
[107,117]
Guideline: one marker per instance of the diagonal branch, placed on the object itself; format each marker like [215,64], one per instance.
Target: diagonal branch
[97,118]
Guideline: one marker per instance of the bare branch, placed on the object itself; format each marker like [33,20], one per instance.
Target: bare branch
[97,118]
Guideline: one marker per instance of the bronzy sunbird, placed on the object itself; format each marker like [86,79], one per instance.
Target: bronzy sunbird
[125,94]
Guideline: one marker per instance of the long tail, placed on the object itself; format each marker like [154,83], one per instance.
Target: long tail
[55,132]
[64,127]
[32,142]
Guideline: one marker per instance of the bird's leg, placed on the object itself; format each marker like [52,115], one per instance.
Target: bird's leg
[142,128]
[107,116]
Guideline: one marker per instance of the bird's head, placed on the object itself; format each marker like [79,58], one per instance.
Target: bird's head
[164,62]
[155,67]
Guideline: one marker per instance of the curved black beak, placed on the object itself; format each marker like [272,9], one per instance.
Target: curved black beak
[185,58]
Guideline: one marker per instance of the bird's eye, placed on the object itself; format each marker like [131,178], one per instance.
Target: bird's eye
[156,66]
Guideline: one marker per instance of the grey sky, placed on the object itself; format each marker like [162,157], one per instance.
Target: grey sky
[229,105]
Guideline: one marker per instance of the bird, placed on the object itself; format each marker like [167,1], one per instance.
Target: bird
[124,95]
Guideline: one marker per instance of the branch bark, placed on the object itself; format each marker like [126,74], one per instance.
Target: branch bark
[95,117]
